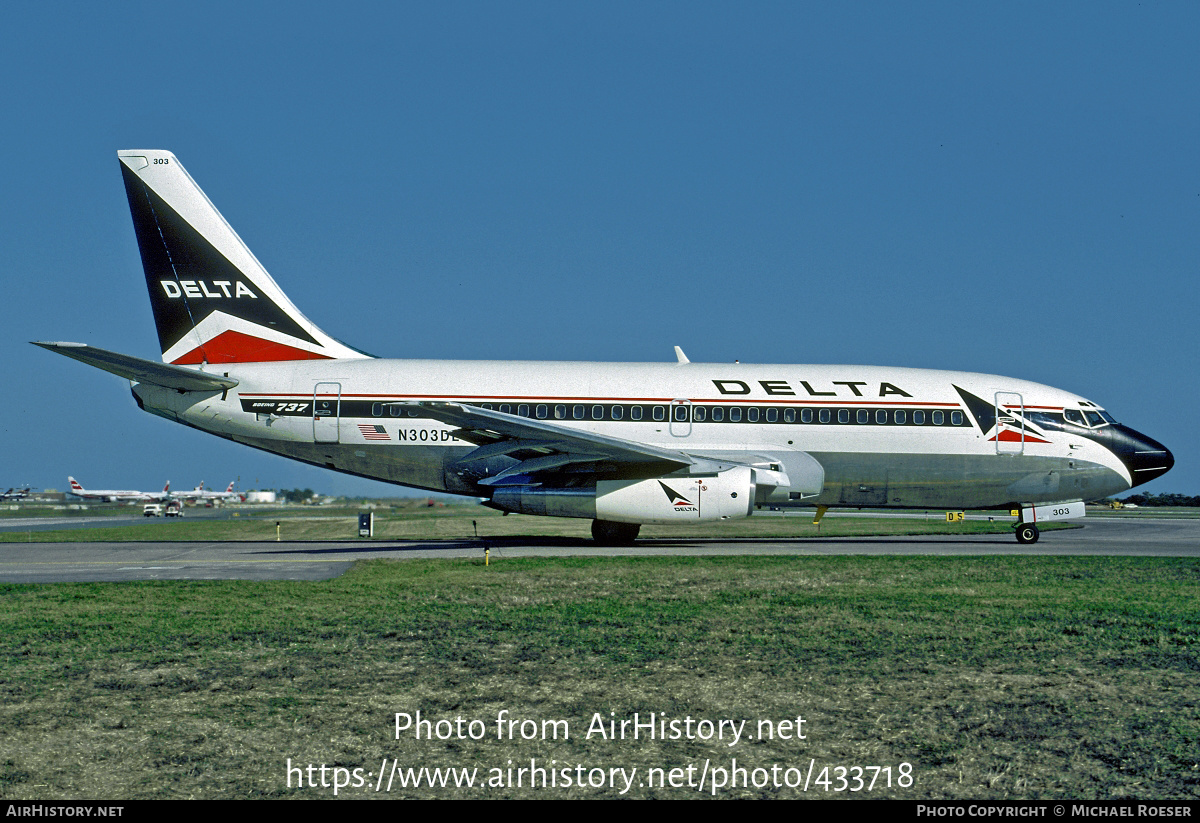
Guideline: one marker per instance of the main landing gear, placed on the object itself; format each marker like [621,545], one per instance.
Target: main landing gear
[608,533]
[1027,533]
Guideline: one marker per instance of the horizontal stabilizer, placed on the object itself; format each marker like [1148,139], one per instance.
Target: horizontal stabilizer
[142,371]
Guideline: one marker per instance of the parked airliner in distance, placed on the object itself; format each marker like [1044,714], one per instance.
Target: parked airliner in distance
[621,444]
[200,493]
[117,495]
[17,494]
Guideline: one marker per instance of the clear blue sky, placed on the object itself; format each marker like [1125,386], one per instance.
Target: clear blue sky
[998,187]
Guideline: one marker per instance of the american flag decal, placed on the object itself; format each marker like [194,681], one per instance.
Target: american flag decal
[372,432]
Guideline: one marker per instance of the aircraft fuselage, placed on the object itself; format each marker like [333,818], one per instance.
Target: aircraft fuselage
[844,435]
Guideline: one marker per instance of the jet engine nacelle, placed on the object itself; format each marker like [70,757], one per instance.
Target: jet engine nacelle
[721,496]
[665,500]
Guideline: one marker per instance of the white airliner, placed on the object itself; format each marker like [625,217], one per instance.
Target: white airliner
[117,495]
[621,444]
[201,493]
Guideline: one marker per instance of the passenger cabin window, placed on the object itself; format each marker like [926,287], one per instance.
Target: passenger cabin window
[699,413]
[718,414]
[635,413]
[542,411]
[659,413]
[560,412]
[735,414]
[618,412]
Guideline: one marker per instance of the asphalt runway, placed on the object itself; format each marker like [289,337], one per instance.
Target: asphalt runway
[111,562]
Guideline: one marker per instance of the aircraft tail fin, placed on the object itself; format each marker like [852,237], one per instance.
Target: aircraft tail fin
[213,301]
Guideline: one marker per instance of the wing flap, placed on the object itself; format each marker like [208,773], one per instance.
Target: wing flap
[497,433]
[534,465]
[543,447]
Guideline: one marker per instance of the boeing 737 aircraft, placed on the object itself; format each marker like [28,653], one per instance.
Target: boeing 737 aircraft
[621,444]
[117,495]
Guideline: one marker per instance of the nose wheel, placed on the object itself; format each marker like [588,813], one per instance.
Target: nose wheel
[1027,533]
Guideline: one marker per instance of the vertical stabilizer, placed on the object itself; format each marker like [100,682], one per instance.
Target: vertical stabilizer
[213,301]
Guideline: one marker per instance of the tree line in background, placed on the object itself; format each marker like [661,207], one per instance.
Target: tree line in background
[294,495]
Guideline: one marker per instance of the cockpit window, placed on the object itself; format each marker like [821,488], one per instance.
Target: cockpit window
[1093,417]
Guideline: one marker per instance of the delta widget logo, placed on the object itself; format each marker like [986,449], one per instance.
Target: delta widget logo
[678,502]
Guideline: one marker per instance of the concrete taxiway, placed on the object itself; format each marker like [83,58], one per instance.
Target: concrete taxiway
[98,562]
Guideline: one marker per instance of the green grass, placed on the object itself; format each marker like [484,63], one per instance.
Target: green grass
[1000,677]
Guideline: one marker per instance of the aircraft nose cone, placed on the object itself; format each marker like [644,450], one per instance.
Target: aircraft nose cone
[1145,458]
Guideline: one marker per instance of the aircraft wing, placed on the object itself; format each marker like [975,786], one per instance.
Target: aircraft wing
[543,446]
[142,371]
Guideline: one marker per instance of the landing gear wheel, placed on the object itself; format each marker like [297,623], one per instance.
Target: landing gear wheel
[608,533]
[1027,533]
